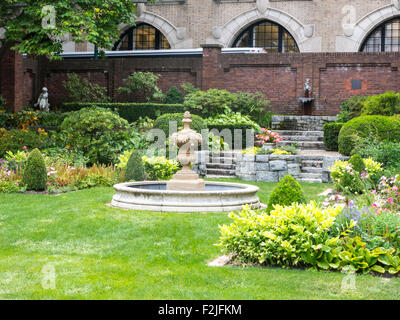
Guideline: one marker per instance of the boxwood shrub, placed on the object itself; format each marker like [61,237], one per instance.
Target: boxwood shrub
[331,135]
[35,173]
[130,111]
[385,128]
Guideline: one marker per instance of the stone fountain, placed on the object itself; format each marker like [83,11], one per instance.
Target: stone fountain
[185,192]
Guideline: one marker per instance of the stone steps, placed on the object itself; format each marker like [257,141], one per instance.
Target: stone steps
[304,145]
[302,138]
[312,163]
[224,166]
[221,165]
[221,172]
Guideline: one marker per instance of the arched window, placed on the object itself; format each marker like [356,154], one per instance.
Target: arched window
[267,35]
[385,38]
[142,37]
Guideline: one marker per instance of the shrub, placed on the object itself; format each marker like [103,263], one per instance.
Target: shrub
[142,86]
[173,96]
[2,103]
[386,104]
[9,187]
[280,237]
[82,90]
[351,108]
[99,133]
[163,121]
[331,135]
[35,173]
[348,179]
[131,112]
[384,128]
[134,169]
[160,168]
[357,163]
[287,191]
[385,152]
[15,140]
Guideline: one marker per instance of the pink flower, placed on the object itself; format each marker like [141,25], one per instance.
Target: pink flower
[390,200]
[24,147]
[395,188]
[16,182]
[48,183]
[373,191]
[375,205]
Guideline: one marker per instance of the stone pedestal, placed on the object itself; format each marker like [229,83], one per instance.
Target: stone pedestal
[186,180]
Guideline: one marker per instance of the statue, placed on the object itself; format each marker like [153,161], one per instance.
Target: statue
[307,89]
[43,101]
[187,141]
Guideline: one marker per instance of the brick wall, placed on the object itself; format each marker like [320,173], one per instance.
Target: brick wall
[280,77]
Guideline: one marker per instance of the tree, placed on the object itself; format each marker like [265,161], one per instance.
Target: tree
[38,27]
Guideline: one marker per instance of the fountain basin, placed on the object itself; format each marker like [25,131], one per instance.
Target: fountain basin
[154,196]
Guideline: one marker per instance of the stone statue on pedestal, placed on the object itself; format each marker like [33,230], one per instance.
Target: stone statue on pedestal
[43,101]
[307,89]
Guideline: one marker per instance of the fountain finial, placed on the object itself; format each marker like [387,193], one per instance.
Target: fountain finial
[187,141]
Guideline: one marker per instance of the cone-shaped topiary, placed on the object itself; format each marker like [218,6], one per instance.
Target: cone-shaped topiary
[287,192]
[173,96]
[135,169]
[35,173]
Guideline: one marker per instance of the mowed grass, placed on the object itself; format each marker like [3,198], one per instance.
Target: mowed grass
[99,252]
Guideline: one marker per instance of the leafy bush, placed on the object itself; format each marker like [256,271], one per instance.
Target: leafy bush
[351,108]
[173,96]
[385,152]
[386,104]
[15,140]
[357,163]
[2,103]
[9,187]
[131,112]
[331,135]
[349,180]
[160,168]
[142,86]
[209,103]
[134,169]
[384,128]
[99,133]
[163,121]
[35,173]
[287,191]
[82,90]
[281,237]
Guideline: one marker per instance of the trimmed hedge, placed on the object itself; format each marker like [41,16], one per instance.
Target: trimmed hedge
[35,173]
[331,135]
[130,111]
[287,192]
[162,122]
[382,127]
[135,168]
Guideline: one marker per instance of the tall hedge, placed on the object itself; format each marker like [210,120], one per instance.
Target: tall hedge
[135,169]
[381,127]
[35,173]
[130,111]
[331,135]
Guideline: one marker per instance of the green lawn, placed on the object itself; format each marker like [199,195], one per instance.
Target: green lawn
[104,253]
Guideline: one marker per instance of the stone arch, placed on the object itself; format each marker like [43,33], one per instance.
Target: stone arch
[357,34]
[227,34]
[175,36]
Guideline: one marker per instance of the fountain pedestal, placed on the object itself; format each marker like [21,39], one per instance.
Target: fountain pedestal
[187,140]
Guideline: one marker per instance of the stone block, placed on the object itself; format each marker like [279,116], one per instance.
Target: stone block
[267,176]
[282,174]
[294,169]
[262,158]
[278,165]
[262,166]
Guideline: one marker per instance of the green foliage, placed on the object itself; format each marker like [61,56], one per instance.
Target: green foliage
[163,122]
[280,237]
[382,127]
[82,90]
[188,88]
[14,140]
[134,169]
[349,180]
[99,133]
[131,111]
[35,173]
[173,96]
[287,191]
[142,86]
[351,108]
[331,135]
[209,103]
[160,168]
[385,152]
[84,20]
[214,102]
[2,103]
[9,187]
[357,163]
[386,104]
